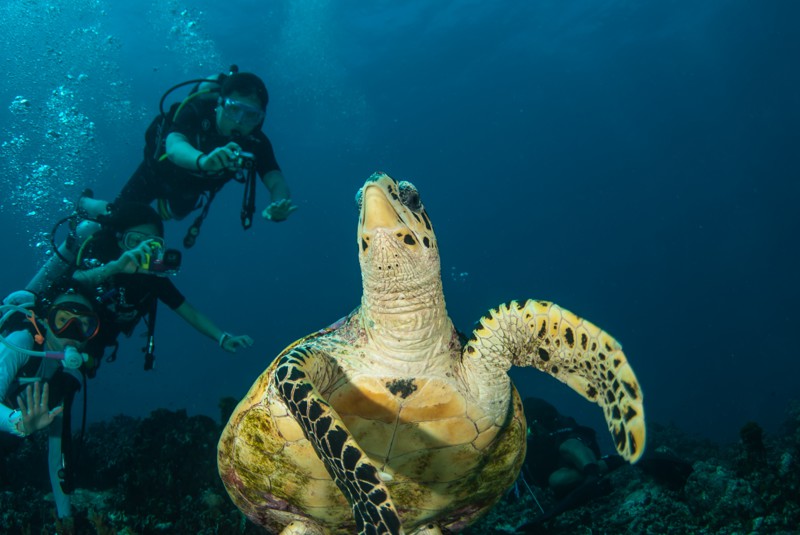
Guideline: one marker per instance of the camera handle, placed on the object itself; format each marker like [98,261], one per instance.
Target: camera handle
[194,230]
[150,347]
[249,198]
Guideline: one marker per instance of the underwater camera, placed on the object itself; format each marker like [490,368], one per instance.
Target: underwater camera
[245,160]
[162,261]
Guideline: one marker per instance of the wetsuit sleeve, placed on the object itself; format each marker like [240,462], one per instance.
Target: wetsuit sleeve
[168,293]
[265,156]
[10,363]
[186,122]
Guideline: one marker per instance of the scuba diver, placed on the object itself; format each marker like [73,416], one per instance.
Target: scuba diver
[126,260]
[41,364]
[564,457]
[210,138]
[561,454]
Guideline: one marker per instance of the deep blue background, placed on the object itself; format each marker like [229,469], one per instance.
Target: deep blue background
[634,162]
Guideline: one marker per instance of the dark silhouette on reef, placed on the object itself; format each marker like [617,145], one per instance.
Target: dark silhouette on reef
[159,475]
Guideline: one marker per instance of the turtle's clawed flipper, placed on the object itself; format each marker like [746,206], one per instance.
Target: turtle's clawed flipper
[575,351]
[348,465]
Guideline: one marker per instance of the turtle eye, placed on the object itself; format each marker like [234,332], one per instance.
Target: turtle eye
[409,196]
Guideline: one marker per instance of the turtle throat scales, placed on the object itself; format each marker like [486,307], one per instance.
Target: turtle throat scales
[402,304]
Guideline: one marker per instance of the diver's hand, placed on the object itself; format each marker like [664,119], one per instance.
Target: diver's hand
[35,412]
[19,298]
[220,158]
[129,262]
[232,343]
[132,261]
[279,210]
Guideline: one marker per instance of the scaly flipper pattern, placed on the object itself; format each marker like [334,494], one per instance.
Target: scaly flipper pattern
[574,351]
[348,465]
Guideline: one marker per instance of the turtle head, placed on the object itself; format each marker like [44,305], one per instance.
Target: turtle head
[396,243]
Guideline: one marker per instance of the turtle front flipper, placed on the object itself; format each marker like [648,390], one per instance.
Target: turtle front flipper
[350,468]
[574,351]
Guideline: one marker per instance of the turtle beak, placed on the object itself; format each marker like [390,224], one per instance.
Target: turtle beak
[377,211]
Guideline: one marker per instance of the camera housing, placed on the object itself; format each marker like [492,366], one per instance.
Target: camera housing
[245,160]
[162,261]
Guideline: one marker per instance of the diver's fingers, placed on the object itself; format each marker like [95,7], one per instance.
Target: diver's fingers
[45,395]
[21,403]
[33,396]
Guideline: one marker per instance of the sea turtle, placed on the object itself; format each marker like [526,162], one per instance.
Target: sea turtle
[385,422]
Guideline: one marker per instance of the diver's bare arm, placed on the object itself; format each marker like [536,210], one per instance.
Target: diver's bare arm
[182,153]
[276,184]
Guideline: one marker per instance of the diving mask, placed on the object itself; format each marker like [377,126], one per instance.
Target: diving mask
[242,113]
[74,321]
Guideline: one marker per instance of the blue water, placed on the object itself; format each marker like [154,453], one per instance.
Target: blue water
[634,162]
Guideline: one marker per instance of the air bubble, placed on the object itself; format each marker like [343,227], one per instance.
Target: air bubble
[458,276]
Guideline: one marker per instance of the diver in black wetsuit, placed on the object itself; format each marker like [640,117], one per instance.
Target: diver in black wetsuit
[561,453]
[210,138]
[565,457]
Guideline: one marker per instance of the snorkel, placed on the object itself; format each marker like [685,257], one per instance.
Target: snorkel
[71,358]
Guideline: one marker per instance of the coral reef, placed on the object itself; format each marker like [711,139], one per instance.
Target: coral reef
[158,475]
[749,487]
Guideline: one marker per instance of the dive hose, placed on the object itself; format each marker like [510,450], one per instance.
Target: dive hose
[72,357]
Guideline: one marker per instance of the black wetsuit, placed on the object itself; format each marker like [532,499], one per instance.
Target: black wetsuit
[548,429]
[125,298]
[180,190]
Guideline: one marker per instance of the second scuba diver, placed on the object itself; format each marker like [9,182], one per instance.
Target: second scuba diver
[120,260]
